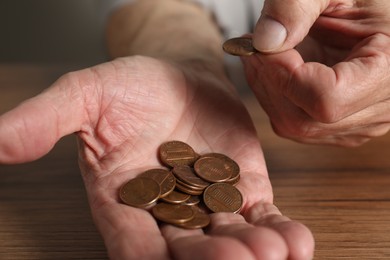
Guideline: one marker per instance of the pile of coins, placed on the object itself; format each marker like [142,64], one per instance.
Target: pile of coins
[239,46]
[191,187]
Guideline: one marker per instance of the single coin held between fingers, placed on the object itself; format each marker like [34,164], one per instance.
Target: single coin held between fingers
[240,46]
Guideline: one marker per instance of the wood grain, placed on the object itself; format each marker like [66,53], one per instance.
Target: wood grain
[342,194]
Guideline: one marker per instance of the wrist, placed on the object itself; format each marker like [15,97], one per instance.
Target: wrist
[165,29]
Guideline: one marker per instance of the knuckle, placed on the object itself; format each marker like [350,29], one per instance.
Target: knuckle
[294,129]
[329,109]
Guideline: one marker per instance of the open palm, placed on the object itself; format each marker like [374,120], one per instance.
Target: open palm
[121,112]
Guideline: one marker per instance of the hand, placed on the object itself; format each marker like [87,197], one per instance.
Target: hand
[122,111]
[324,75]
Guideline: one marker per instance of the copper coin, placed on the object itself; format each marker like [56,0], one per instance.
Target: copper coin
[192,201]
[172,213]
[188,186]
[175,153]
[212,169]
[187,175]
[163,177]
[240,46]
[188,190]
[140,192]
[234,181]
[223,197]
[176,197]
[230,164]
[200,220]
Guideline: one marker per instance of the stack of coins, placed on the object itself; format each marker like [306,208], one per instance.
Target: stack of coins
[191,187]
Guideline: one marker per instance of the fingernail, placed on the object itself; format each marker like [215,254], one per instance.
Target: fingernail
[269,34]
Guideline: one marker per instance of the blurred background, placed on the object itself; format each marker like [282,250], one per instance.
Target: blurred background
[47,31]
[66,32]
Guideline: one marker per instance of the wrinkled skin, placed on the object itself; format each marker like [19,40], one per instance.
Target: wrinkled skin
[121,112]
[334,87]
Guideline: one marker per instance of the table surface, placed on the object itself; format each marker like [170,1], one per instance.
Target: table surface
[341,194]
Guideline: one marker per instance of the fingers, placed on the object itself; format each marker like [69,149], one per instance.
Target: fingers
[298,237]
[330,94]
[193,244]
[31,129]
[326,94]
[290,120]
[229,236]
[283,24]
[263,242]
[341,97]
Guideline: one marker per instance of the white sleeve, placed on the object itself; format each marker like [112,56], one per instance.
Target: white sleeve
[105,7]
[235,17]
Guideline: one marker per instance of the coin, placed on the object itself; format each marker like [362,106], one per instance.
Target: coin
[194,187]
[192,201]
[189,190]
[234,181]
[175,153]
[163,177]
[187,175]
[212,169]
[240,46]
[172,213]
[223,197]
[176,197]
[230,164]
[189,186]
[200,220]
[140,192]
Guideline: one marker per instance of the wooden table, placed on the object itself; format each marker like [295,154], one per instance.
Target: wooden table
[342,194]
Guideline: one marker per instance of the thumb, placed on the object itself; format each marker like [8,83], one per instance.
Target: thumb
[30,130]
[284,23]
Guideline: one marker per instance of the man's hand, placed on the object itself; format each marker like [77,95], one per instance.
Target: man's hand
[324,75]
[121,112]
